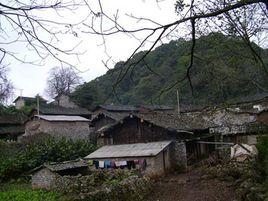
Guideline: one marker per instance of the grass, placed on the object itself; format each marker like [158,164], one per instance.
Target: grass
[23,192]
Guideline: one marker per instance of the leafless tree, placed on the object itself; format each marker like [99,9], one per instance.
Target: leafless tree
[6,86]
[38,26]
[62,81]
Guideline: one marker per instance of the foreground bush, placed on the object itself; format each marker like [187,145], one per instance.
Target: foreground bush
[263,160]
[14,163]
[28,195]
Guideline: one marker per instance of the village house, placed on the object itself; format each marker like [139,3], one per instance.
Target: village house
[22,101]
[11,126]
[51,109]
[184,130]
[61,106]
[153,158]
[57,126]
[241,122]
[106,115]
[48,176]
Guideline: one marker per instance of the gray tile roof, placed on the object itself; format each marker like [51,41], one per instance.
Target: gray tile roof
[62,118]
[13,119]
[172,122]
[12,130]
[129,150]
[117,116]
[131,108]
[50,109]
[157,107]
[55,167]
[182,122]
[122,108]
[30,99]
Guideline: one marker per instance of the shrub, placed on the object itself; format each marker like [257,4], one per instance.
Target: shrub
[263,158]
[26,195]
[34,155]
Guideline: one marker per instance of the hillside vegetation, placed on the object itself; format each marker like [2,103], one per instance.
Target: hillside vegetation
[224,69]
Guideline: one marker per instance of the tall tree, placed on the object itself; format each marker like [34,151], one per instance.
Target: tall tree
[62,81]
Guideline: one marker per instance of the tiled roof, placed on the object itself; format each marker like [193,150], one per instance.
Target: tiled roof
[12,129]
[12,118]
[156,107]
[117,108]
[55,167]
[131,108]
[172,122]
[182,122]
[31,99]
[50,109]
[129,150]
[62,118]
[117,116]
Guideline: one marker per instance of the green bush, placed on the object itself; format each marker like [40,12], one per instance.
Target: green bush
[26,195]
[263,159]
[34,155]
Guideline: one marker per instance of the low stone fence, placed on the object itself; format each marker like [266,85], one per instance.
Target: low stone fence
[104,186]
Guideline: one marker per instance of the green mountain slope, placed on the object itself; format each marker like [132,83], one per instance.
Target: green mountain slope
[224,69]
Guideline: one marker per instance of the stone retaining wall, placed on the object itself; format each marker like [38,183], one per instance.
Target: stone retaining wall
[90,188]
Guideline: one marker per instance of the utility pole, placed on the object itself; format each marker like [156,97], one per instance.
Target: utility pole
[37,99]
[178,102]
[21,90]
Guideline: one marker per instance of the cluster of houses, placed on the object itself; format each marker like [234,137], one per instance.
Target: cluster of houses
[157,135]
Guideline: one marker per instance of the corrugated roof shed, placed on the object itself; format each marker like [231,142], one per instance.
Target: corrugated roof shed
[62,118]
[129,150]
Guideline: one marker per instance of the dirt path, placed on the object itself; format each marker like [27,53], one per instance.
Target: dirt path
[191,187]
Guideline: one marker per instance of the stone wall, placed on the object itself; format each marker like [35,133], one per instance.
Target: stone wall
[87,188]
[44,179]
[69,130]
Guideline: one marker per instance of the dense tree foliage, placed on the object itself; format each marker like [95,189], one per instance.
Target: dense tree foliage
[17,159]
[263,160]
[223,69]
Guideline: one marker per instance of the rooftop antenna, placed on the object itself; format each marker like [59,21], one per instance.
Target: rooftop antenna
[178,102]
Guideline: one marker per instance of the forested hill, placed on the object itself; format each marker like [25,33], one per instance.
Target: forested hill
[224,69]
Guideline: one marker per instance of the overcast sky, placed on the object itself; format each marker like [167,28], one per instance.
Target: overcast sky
[30,79]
